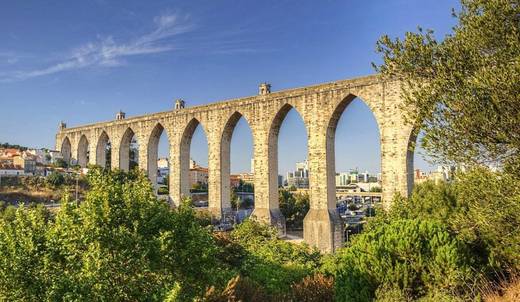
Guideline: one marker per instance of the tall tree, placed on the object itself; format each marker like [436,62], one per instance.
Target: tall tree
[464,91]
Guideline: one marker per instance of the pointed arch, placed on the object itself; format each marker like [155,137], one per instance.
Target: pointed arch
[102,147]
[83,151]
[278,119]
[66,150]
[184,171]
[273,135]
[124,149]
[225,157]
[340,108]
[331,141]
[153,152]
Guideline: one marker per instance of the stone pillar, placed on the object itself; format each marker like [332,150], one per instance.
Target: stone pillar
[114,160]
[101,152]
[218,206]
[143,156]
[181,161]
[151,167]
[322,226]
[92,149]
[266,175]
[124,153]
[396,157]
[74,150]
[225,173]
[174,160]
[82,151]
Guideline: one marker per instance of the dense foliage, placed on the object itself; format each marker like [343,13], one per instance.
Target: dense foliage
[294,207]
[482,208]
[464,89]
[120,244]
[55,179]
[123,244]
[412,255]
[444,242]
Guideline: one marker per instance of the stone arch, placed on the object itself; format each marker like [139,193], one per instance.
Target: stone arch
[330,143]
[66,150]
[225,157]
[83,151]
[272,156]
[184,169]
[124,149]
[101,150]
[153,152]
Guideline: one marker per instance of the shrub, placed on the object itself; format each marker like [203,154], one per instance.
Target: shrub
[294,207]
[482,208]
[162,191]
[121,243]
[274,263]
[22,256]
[55,179]
[238,289]
[410,255]
[315,288]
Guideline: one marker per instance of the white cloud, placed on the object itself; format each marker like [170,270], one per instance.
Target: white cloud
[109,53]
[9,57]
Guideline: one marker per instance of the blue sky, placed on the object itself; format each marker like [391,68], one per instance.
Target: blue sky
[82,61]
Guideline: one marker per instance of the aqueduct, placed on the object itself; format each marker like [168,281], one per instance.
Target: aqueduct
[320,107]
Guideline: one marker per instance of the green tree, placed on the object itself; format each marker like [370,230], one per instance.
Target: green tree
[162,191]
[294,207]
[272,262]
[55,179]
[464,89]
[119,244]
[61,163]
[409,256]
[376,189]
[22,255]
[482,208]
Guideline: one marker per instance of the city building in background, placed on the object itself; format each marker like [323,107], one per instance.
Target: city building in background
[299,178]
[198,174]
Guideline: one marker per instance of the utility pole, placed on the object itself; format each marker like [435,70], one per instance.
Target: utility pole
[77,185]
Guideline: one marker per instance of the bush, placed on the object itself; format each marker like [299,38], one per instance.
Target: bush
[23,247]
[238,289]
[204,217]
[274,263]
[121,243]
[411,255]
[162,191]
[315,288]
[60,163]
[55,179]
[482,208]
[294,207]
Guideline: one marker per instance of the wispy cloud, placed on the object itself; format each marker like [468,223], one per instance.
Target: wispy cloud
[8,57]
[107,52]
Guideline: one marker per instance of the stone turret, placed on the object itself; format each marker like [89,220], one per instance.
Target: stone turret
[62,125]
[264,88]
[179,104]
[120,115]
